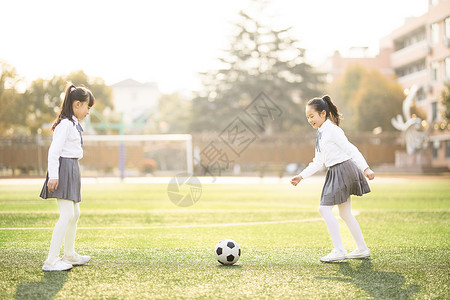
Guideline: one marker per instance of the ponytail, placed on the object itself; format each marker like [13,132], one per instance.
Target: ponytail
[334,114]
[325,104]
[71,94]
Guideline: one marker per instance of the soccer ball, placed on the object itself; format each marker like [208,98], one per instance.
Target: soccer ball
[227,252]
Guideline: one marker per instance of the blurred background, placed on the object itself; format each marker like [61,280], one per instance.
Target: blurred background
[220,87]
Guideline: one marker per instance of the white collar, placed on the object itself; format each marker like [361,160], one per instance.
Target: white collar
[324,125]
[75,119]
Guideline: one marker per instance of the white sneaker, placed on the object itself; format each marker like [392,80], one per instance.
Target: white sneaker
[334,255]
[359,254]
[76,259]
[57,265]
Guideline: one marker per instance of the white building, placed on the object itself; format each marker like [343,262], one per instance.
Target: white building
[137,101]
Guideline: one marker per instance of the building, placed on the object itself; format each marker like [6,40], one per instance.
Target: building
[137,101]
[337,64]
[421,56]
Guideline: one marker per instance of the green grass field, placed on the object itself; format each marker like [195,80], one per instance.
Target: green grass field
[145,247]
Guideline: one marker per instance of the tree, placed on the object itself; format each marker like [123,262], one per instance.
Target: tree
[368,99]
[43,101]
[101,91]
[259,58]
[12,113]
[44,97]
[446,101]
[343,93]
[173,113]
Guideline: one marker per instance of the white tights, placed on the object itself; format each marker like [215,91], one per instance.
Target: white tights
[345,213]
[65,229]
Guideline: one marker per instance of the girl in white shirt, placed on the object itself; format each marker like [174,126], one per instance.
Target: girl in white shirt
[344,178]
[63,177]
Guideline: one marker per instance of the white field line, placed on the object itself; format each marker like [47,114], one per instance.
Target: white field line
[355,213]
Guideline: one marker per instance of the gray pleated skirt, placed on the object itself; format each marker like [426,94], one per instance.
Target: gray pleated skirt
[69,182]
[342,180]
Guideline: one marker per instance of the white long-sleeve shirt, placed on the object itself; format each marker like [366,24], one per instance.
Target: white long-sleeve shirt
[334,148]
[66,142]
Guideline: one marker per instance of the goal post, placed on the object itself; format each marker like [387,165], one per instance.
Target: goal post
[141,147]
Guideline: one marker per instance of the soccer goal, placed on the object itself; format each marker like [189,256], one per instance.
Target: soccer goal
[137,155]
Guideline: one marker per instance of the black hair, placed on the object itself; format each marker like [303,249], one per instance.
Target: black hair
[325,104]
[72,94]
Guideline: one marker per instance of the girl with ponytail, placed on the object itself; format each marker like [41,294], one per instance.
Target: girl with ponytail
[63,176]
[345,167]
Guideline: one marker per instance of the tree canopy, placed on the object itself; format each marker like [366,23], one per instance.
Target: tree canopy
[446,101]
[12,110]
[27,112]
[367,99]
[260,58]
[174,113]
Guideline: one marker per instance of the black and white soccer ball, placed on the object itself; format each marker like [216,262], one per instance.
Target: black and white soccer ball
[227,252]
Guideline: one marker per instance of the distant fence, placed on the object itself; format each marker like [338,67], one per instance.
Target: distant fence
[27,156]
[298,148]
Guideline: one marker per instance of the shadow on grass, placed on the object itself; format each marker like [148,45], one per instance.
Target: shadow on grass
[378,284]
[51,284]
[229,267]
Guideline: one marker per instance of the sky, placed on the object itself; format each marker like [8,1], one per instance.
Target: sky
[170,41]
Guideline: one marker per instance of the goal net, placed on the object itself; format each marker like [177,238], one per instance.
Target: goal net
[137,155]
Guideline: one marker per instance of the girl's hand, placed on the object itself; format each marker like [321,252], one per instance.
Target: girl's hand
[296,179]
[52,185]
[369,173]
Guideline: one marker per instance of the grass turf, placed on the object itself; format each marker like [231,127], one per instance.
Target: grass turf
[405,222]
